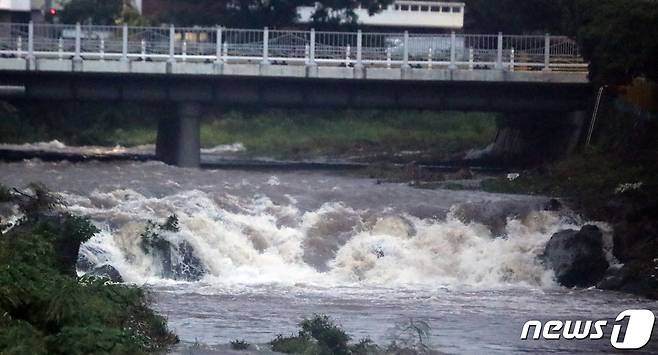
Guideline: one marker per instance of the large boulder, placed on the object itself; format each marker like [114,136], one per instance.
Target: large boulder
[577,257]
[177,262]
[107,272]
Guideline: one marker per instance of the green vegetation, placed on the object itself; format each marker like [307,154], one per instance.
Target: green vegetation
[238,344]
[99,12]
[79,123]
[621,164]
[617,37]
[258,14]
[46,309]
[288,134]
[319,335]
[590,178]
[308,134]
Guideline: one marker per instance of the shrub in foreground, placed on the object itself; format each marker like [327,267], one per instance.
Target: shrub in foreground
[46,309]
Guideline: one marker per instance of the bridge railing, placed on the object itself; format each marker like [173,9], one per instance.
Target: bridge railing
[291,47]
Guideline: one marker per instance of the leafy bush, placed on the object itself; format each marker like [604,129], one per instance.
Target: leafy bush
[318,335]
[46,309]
[239,345]
[151,239]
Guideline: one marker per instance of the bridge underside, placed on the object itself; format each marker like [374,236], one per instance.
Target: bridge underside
[178,138]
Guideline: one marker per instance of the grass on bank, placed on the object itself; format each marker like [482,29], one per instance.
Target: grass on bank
[304,134]
[287,134]
[590,178]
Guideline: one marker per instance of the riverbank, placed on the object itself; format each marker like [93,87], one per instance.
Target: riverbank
[358,136]
[611,188]
[45,308]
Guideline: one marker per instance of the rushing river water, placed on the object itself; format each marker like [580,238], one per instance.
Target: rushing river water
[279,246]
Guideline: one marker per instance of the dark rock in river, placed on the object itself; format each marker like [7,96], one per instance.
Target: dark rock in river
[107,272]
[577,257]
[84,264]
[639,277]
[189,266]
[553,205]
[177,262]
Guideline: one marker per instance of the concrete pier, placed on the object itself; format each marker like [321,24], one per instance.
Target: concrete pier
[178,142]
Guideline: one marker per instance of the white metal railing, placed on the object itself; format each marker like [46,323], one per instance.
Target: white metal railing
[227,45]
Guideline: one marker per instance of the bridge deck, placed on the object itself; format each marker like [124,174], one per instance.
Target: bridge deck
[295,54]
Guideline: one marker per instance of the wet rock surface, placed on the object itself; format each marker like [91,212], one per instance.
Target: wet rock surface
[577,257]
[107,272]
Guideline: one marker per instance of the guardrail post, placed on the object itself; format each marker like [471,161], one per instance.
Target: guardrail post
[124,44]
[347,56]
[218,47]
[77,58]
[359,50]
[511,60]
[453,51]
[60,48]
[499,57]
[429,59]
[30,45]
[225,49]
[78,39]
[547,52]
[312,49]
[102,49]
[471,59]
[266,40]
[184,51]
[143,50]
[172,45]
[388,57]
[19,47]
[405,52]
[307,59]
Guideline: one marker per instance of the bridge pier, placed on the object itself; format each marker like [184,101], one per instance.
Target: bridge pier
[531,138]
[179,142]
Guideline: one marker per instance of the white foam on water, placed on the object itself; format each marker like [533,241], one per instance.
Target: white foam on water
[224,148]
[260,242]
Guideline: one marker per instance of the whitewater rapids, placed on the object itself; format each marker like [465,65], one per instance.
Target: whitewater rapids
[274,247]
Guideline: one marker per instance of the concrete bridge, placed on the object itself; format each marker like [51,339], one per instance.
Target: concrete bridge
[198,67]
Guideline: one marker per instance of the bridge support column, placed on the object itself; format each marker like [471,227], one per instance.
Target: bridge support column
[532,138]
[179,141]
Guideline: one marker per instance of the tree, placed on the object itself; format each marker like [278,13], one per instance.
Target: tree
[618,38]
[258,14]
[513,16]
[98,12]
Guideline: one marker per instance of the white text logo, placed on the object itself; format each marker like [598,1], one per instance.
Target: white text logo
[639,327]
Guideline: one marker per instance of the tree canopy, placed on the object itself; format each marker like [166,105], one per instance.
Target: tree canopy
[618,37]
[98,12]
[258,13]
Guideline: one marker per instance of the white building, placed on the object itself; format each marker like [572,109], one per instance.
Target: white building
[406,14]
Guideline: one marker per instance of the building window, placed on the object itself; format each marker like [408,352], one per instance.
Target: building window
[414,7]
[457,9]
[404,7]
[445,9]
[424,8]
[435,9]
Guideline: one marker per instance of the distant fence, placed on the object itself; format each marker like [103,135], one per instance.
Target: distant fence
[227,45]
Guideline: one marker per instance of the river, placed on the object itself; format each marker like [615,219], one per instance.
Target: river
[277,246]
